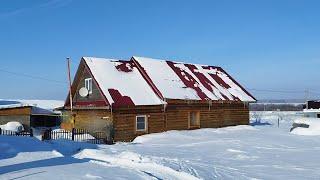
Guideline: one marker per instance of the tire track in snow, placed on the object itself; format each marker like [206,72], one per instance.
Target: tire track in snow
[134,161]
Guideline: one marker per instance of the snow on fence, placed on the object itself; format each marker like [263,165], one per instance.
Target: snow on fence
[14,133]
[78,135]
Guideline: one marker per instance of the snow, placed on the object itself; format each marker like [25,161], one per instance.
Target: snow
[38,106]
[172,87]
[129,84]
[12,126]
[312,130]
[262,151]
[169,84]
[44,104]
[312,110]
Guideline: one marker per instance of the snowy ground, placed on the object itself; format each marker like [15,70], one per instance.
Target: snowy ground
[242,152]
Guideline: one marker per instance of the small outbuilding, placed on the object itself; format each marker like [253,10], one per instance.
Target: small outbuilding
[30,113]
[312,109]
[127,98]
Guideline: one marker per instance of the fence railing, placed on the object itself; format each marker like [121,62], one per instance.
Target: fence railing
[13,133]
[78,135]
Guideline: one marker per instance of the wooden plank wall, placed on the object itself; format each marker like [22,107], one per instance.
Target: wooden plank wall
[124,121]
[92,120]
[16,111]
[19,114]
[174,118]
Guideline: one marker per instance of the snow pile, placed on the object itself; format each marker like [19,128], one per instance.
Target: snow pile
[12,126]
[133,161]
[43,104]
[194,135]
[238,152]
[312,130]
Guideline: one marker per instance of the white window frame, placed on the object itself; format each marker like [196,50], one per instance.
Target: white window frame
[145,123]
[88,84]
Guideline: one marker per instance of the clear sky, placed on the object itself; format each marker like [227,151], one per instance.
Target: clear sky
[266,44]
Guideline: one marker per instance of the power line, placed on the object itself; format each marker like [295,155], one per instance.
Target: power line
[32,76]
[251,89]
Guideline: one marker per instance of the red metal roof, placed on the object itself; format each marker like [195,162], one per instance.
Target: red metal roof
[145,81]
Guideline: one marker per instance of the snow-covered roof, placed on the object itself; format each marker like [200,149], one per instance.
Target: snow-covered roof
[38,106]
[177,80]
[146,81]
[311,110]
[121,82]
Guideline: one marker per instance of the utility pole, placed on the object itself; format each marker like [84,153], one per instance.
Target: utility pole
[70,92]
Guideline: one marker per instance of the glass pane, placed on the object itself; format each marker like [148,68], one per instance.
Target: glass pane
[141,123]
[90,84]
[140,126]
[140,119]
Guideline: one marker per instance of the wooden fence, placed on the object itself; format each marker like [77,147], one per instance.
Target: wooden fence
[78,135]
[13,133]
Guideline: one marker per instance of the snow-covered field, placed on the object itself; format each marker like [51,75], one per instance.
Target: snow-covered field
[263,151]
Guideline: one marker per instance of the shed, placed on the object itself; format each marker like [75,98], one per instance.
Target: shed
[30,113]
[312,109]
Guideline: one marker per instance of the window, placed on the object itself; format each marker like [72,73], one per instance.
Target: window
[141,123]
[194,119]
[88,84]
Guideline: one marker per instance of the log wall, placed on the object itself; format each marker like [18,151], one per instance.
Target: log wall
[176,117]
[19,114]
[91,120]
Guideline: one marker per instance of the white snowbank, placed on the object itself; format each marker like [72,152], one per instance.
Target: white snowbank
[190,135]
[12,126]
[133,161]
[312,130]
[239,152]
[44,104]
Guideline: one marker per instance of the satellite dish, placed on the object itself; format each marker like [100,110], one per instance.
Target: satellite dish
[83,92]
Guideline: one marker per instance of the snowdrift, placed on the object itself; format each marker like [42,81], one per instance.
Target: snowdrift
[306,126]
[12,126]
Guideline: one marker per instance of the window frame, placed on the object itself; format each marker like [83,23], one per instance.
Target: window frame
[145,123]
[197,115]
[88,82]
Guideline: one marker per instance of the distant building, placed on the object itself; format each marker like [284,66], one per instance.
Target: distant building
[32,113]
[312,109]
[128,98]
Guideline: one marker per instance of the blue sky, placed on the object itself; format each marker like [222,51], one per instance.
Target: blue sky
[265,45]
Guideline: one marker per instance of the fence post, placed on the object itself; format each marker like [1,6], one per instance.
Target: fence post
[31,132]
[72,134]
